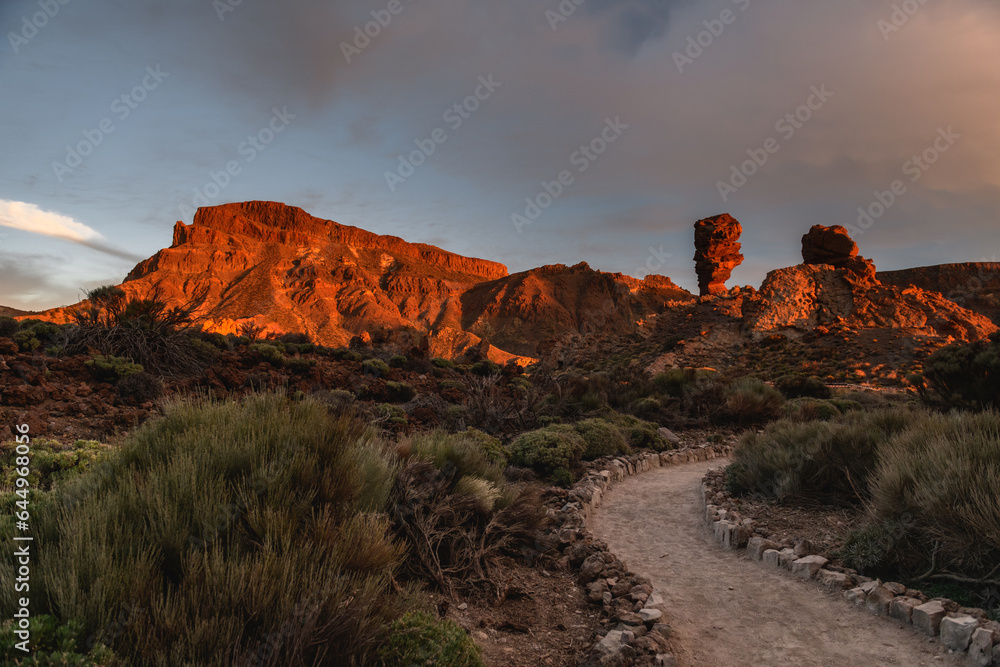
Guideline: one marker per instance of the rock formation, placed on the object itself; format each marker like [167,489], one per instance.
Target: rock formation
[833,246]
[798,299]
[717,252]
[281,268]
[973,285]
[828,245]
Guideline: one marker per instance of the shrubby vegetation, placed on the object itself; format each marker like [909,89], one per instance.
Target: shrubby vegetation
[276,528]
[930,484]
[420,639]
[963,376]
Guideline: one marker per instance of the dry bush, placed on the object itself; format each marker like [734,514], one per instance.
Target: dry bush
[461,533]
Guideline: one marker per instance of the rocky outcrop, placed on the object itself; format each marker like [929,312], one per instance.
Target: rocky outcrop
[283,269]
[833,246]
[828,245]
[801,298]
[974,285]
[717,252]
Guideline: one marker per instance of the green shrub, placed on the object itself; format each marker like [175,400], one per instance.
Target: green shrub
[8,326]
[55,643]
[965,376]
[802,386]
[226,524]
[562,478]
[352,355]
[398,361]
[269,352]
[460,454]
[675,381]
[442,363]
[751,401]
[400,392]
[485,368]
[815,458]
[547,449]
[375,367]
[489,445]
[33,335]
[139,387]
[299,364]
[601,438]
[941,480]
[394,414]
[420,639]
[642,434]
[111,369]
[648,408]
[810,409]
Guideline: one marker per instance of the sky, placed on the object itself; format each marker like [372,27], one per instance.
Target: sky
[528,132]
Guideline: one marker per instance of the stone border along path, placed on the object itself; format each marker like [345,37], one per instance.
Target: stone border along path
[724,610]
[960,629]
[634,633]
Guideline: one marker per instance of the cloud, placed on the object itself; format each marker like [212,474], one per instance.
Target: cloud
[29,218]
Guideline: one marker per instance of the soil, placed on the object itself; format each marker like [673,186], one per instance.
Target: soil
[825,526]
[729,611]
[545,620]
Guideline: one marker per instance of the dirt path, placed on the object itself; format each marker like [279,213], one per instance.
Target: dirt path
[729,611]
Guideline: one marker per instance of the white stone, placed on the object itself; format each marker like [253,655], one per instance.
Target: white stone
[956,631]
[927,617]
[856,595]
[770,557]
[807,566]
[650,615]
[981,648]
[901,608]
[833,580]
[786,557]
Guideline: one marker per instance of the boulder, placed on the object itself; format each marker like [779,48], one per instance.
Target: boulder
[901,608]
[717,252]
[927,617]
[981,647]
[807,566]
[956,631]
[828,245]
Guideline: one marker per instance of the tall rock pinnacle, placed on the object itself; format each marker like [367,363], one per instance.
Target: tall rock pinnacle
[717,251]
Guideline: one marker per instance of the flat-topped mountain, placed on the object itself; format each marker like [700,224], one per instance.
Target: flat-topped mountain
[281,268]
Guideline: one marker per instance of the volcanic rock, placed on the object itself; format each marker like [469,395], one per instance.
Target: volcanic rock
[717,252]
[973,285]
[798,299]
[828,245]
[280,268]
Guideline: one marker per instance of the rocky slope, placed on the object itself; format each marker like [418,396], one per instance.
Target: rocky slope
[281,268]
[973,285]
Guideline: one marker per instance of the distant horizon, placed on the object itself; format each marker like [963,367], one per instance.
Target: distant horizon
[521,133]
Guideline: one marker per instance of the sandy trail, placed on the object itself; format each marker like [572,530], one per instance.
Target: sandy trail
[728,611]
